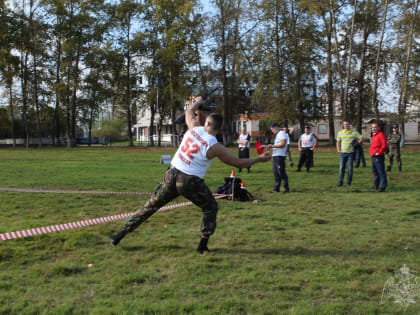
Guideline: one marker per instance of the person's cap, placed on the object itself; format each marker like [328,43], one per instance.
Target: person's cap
[395,126]
[307,126]
[274,124]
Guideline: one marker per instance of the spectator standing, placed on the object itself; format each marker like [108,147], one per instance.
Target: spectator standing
[377,150]
[279,149]
[243,147]
[345,148]
[307,144]
[394,140]
[358,154]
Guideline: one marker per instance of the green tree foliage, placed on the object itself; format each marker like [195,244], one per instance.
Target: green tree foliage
[288,43]
[66,63]
[172,42]
[113,130]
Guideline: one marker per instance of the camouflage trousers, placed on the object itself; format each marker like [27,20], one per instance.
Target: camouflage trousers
[174,184]
[394,153]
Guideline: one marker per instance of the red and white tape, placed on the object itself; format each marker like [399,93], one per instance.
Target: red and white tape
[31,190]
[79,224]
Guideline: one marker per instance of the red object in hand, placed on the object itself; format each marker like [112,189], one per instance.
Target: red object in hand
[260,147]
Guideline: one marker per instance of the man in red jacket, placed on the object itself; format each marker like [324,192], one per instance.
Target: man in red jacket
[377,152]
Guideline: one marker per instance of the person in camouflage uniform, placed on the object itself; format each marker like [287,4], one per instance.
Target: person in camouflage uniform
[174,184]
[394,141]
[185,176]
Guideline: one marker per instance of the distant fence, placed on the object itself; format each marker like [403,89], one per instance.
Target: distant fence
[21,141]
[165,140]
[49,141]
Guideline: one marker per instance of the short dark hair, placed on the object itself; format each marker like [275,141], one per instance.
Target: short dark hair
[274,125]
[216,121]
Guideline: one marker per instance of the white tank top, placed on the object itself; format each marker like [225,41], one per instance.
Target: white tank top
[243,137]
[307,141]
[190,158]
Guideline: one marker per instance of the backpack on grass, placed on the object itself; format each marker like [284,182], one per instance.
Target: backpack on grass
[239,193]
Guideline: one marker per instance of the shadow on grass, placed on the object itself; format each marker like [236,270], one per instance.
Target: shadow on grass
[300,251]
[151,248]
[341,190]
[297,251]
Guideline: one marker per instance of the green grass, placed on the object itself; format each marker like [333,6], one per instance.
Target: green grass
[317,250]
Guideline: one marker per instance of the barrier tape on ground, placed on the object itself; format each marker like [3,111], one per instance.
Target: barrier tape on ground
[74,191]
[79,224]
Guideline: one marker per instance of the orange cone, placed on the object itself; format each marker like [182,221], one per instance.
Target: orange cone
[232,174]
[243,185]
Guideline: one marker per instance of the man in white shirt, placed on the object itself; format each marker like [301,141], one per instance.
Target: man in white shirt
[307,144]
[279,150]
[243,146]
[185,176]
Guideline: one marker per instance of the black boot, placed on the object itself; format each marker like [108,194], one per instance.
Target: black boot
[116,238]
[202,247]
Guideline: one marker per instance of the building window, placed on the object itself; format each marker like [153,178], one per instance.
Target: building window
[322,129]
[244,125]
[418,128]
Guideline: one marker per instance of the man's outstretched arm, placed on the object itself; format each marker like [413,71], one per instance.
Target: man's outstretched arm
[220,151]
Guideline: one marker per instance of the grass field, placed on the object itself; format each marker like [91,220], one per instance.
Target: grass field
[318,250]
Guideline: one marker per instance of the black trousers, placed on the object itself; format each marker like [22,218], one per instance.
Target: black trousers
[306,157]
[279,171]
[243,153]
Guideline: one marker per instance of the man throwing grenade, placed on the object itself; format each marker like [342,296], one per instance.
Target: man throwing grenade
[185,175]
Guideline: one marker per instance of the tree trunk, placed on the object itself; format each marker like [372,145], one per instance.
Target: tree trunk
[37,109]
[233,87]
[348,68]
[301,116]
[360,103]
[159,131]
[173,105]
[378,55]
[200,67]
[402,102]
[24,87]
[12,114]
[152,127]
[330,87]
[128,87]
[279,66]
[35,74]
[68,91]
[56,122]
[74,96]
[227,134]
[337,55]
[152,117]
[90,126]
